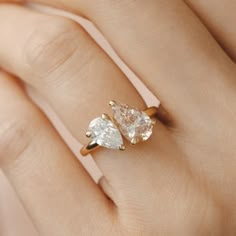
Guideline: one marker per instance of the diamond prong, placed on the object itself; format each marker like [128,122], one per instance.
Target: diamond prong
[105,117]
[134,141]
[112,103]
[153,122]
[122,147]
[88,134]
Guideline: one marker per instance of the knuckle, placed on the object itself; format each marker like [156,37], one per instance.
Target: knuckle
[50,45]
[16,135]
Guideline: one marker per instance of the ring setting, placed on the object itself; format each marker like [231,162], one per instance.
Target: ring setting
[126,123]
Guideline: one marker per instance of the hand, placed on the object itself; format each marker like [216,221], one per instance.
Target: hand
[180,182]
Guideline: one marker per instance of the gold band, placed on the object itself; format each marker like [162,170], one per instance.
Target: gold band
[91,146]
[151,111]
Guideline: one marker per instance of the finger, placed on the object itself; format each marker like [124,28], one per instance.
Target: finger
[53,186]
[172,52]
[64,63]
[219,17]
[11,210]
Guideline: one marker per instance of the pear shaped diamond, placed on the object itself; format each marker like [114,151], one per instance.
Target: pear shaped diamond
[135,125]
[105,133]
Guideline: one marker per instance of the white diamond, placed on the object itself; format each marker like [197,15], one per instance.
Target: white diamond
[105,133]
[136,126]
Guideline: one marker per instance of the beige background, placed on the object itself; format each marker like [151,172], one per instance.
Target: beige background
[13,218]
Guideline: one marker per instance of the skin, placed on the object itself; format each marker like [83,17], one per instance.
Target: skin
[183,180]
